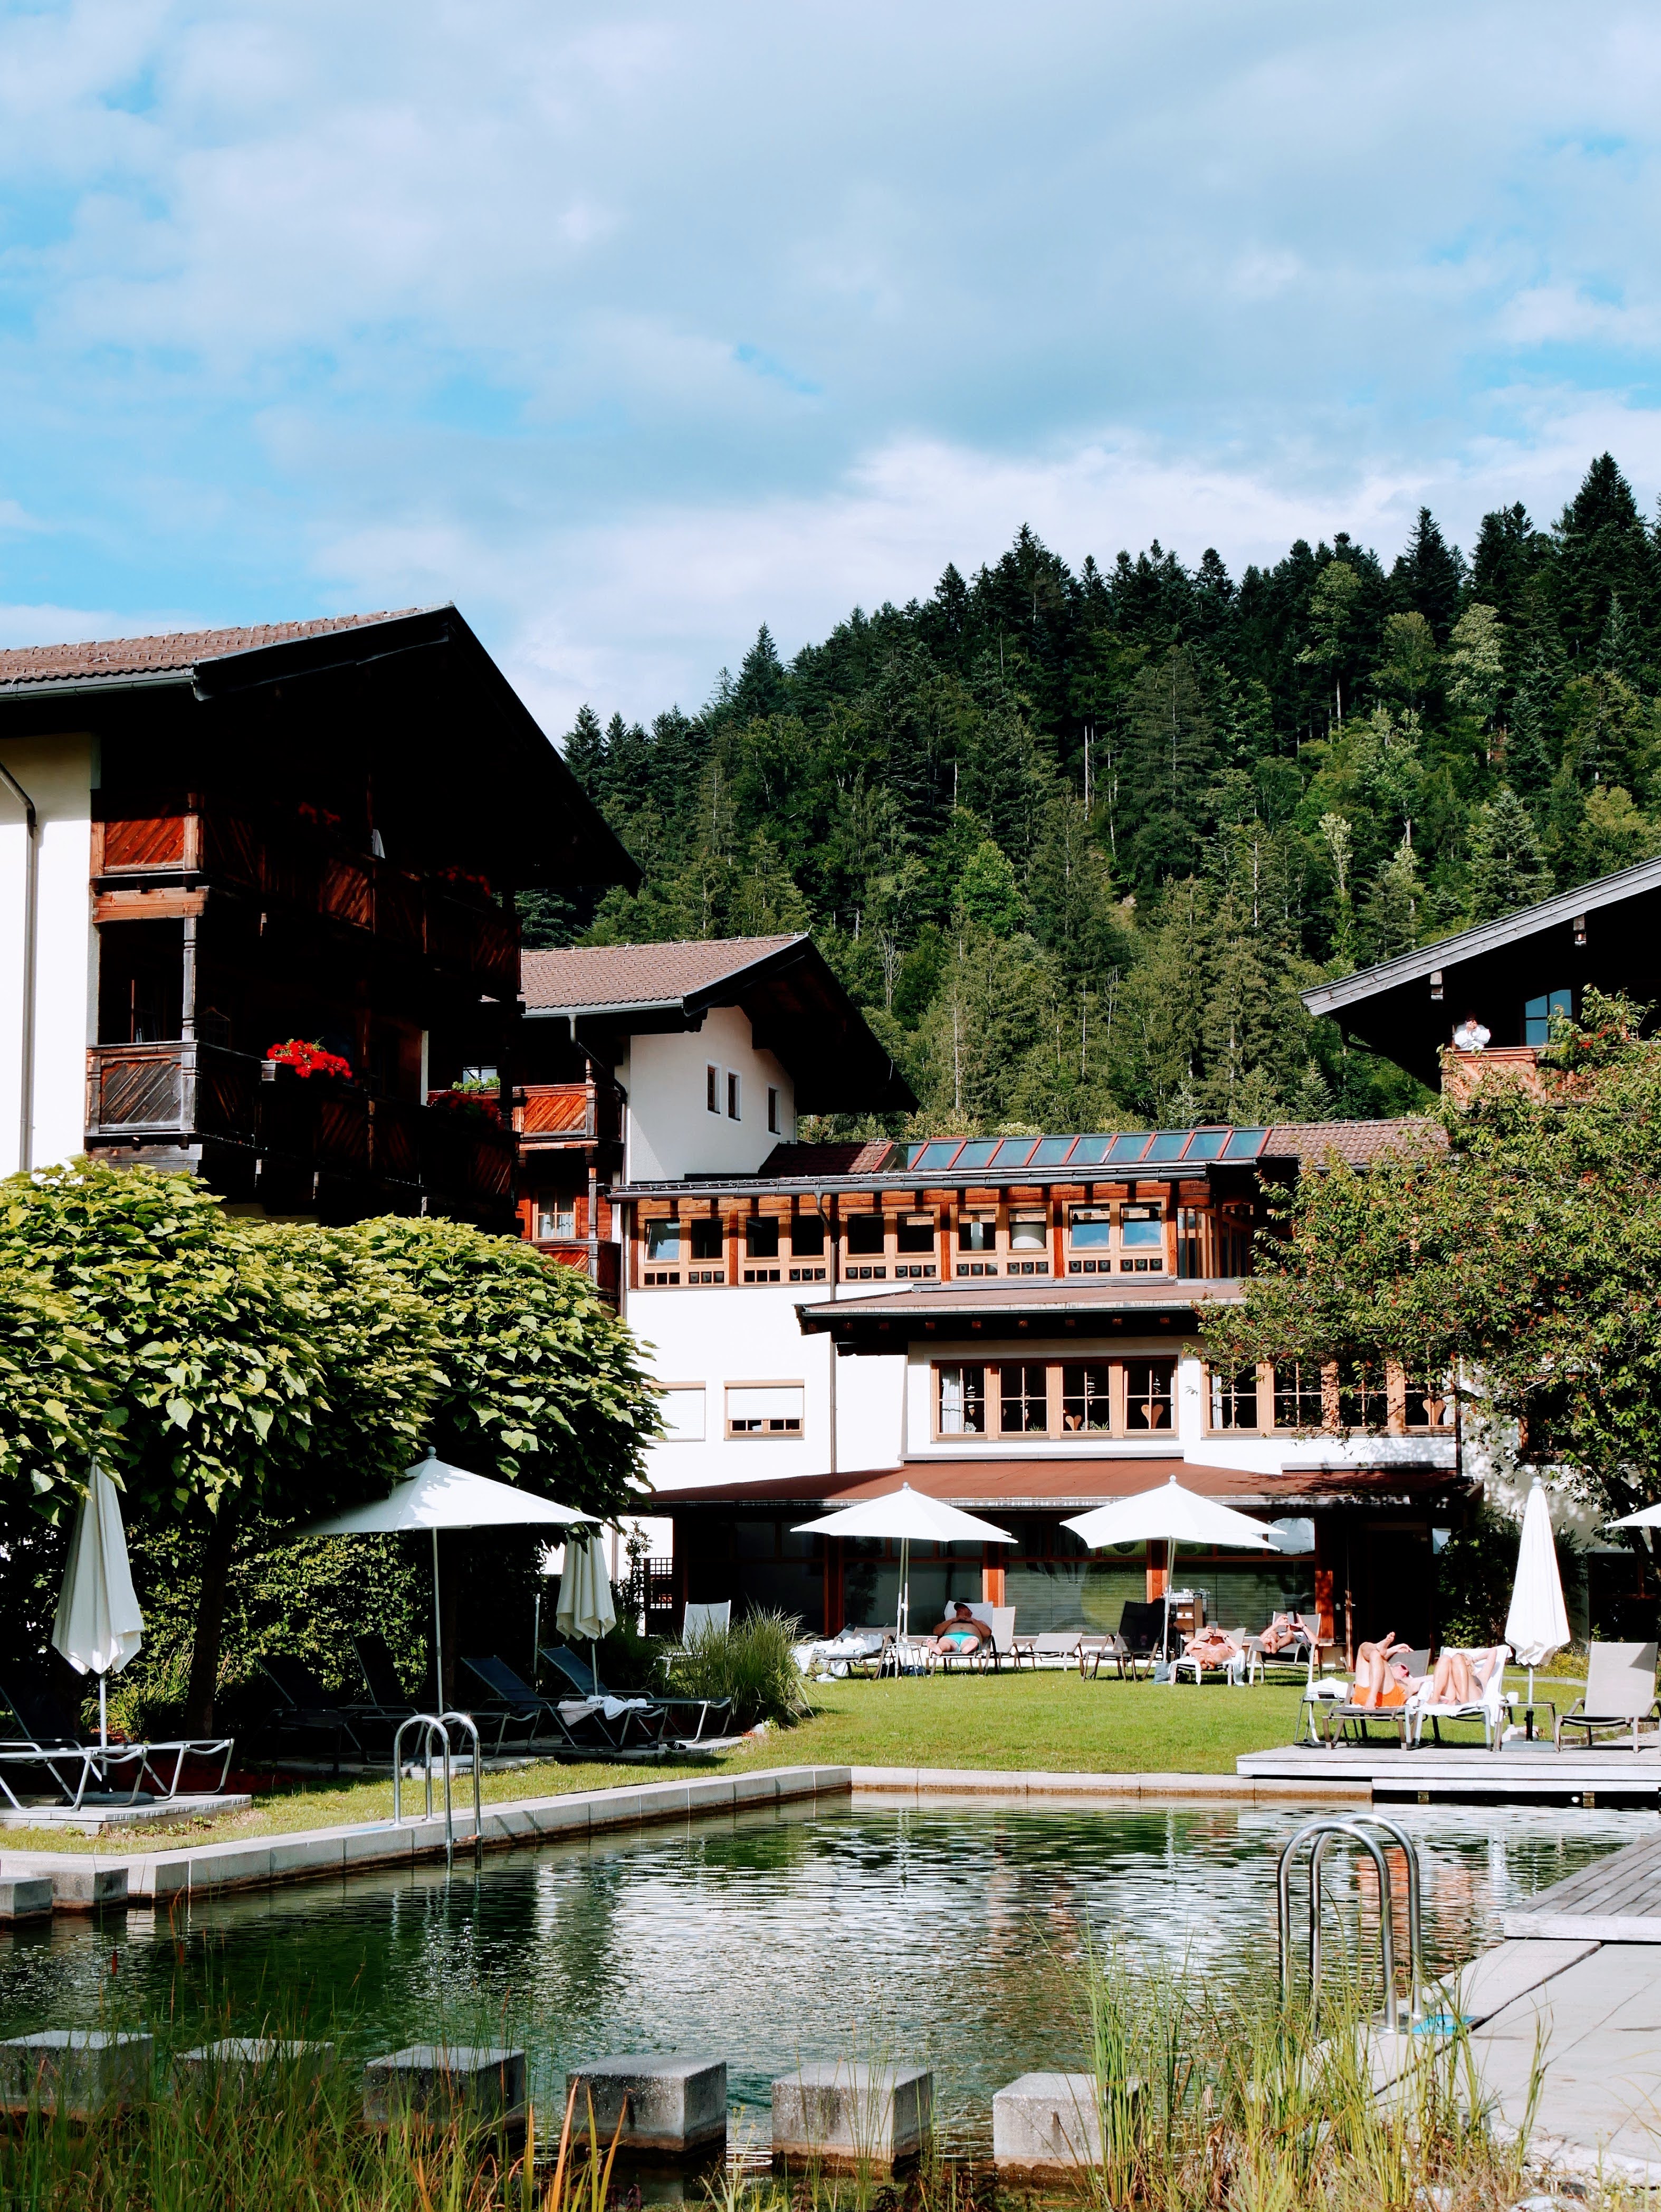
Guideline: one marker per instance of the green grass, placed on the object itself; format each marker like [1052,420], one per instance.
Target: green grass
[1053,1722]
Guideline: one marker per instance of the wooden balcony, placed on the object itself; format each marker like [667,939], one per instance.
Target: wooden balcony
[454,923]
[550,1115]
[601,1261]
[252,1130]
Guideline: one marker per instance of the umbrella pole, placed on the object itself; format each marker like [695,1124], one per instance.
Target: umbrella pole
[1164,1637]
[103,1714]
[536,1636]
[438,1634]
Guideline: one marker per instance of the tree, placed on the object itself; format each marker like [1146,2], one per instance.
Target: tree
[1411,663]
[1476,663]
[1390,921]
[1513,1246]
[988,893]
[1428,579]
[52,1396]
[1603,551]
[1507,867]
[1333,611]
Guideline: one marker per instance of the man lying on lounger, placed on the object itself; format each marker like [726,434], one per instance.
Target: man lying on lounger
[962,1632]
[1458,1678]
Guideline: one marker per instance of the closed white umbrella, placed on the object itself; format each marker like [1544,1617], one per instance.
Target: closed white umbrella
[586,1608]
[98,1626]
[1537,1624]
[1171,1515]
[907,1516]
[434,1495]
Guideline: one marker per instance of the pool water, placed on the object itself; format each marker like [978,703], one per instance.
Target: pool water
[949,1933]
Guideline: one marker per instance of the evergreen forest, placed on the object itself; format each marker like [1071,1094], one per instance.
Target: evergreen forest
[1076,842]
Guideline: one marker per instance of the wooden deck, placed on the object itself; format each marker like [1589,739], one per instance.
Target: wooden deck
[1521,1773]
[1616,1899]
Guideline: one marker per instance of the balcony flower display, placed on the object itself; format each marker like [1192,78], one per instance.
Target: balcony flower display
[307,1058]
[474,1101]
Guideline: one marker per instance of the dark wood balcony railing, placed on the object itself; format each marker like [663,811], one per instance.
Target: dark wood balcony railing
[601,1261]
[547,1113]
[180,1093]
[455,924]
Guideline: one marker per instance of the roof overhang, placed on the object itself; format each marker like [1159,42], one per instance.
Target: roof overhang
[1074,1307]
[1406,1008]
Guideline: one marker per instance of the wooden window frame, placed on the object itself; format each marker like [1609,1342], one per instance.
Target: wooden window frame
[732,1436]
[1265,1374]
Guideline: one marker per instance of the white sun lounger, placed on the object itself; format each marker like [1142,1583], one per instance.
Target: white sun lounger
[1620,1693]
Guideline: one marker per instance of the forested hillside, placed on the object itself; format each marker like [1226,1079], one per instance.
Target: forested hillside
[1077,841]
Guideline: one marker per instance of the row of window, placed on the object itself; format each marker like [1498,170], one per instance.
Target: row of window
[1135,1397]
[727,1085]
[751,1409]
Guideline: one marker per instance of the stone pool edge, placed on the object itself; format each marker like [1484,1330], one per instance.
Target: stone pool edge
[319,1853]
[992,1782]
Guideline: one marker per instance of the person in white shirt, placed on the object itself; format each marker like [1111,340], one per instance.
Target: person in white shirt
[1471,1035]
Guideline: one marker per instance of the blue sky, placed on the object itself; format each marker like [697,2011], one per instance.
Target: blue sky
[629,327]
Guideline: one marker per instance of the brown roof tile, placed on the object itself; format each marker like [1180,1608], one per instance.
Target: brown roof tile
[994,1484]
[639,974]
[159,656]
[869,1156]
[1356,1143]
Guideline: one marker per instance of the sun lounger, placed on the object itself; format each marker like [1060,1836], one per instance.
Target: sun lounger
[386,1691]
[39,1734]
[1329,1712]
[1096,1652]
[983,1655]
[1050,1647]
[1234,1669]
[1489,1709]
[305,1710]
[1619,1694]
[696,1622]
[579,1723]
[668,1716]
[851,1651]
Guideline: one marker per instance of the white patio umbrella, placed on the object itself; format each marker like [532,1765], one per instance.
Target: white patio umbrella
[98,1626]
[586,1608]
[908,1517]
[434,1495]
[1537,1623]
[1171,1515]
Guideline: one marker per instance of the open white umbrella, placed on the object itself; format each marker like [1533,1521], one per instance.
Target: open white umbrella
[1537,1624]
[908,1517]
[98,1626]
[434,1495]
[1171,1515]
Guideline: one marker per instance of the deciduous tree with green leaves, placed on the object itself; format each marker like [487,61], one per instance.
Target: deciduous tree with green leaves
[1514,1243]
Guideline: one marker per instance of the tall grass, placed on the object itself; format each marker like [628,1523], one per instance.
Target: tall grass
[750,1663]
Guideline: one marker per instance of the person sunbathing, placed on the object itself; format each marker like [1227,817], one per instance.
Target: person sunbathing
[1459,1678]
[1284,1630]
[1212,1647]
[961,1633]
[1381,1676]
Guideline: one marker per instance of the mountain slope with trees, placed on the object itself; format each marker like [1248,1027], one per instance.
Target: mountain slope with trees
[1076,842]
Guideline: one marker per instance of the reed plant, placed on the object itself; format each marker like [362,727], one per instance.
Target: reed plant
[751,1663]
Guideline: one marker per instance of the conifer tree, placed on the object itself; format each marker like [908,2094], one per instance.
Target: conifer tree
[1507,866]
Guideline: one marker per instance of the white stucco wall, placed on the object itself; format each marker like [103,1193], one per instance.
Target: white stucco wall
[716,1337]
[57,773]
[670,1131]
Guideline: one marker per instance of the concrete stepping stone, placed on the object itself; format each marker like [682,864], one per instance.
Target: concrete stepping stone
[1047,2127]
[26,1897]
[74,2070]
[852,2117]
[438,2082]
[257,2054]
[667,2103]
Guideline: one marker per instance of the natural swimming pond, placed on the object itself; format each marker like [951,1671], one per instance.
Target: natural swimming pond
[949,1932]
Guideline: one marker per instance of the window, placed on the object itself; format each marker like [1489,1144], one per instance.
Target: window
[1141,1240]
[556,1217]
[705,1240]
[763,1409]
[1024,1400]
[807,1237]
[916,1232]
[963,1401]
[1147,1393]
[1087,1398]
[732,1113]
[761,1239]
[1029,1232]
[1299,1399]
[1429,1405]
[663,1241]
[1090,1228]
[1234,1400]
[1189,1262]
[775,1117]
[865,1234]
[682,1412]
[712,1089]
[1362,1402]
[1538,1013]
[977,1232]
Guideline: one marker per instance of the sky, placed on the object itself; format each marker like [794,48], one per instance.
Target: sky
[629,327]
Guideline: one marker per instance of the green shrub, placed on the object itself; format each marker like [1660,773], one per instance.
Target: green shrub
[749,1662]
[1475,1570]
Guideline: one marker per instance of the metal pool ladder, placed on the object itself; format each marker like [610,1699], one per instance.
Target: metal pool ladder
[435,1728]
[1320,1836]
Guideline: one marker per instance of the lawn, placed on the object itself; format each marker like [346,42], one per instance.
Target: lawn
[1052,1722]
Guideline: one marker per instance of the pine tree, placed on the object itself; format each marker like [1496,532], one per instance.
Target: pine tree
[1428,579]
[1532,744]
[762,687]
[584,748]
[1507,867]
[1389,918]
[1602,550]
[1619,652]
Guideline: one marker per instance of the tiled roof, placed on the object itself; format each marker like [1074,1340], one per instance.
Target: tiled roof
[179,650]
[868,1156]
[1356,1143]
[600,975]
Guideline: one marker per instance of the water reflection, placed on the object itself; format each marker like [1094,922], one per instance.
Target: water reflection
[944,1932]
